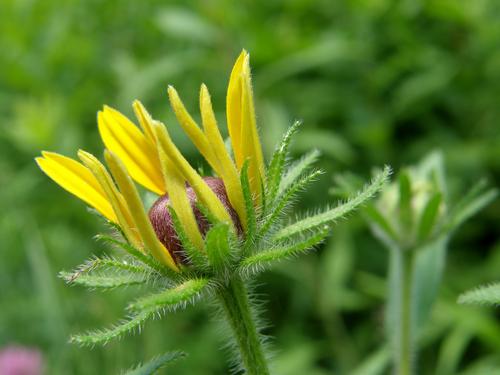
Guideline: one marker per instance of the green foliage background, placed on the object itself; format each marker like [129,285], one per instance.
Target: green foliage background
[375,82]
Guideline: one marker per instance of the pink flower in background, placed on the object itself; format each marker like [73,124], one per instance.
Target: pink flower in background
[17,360]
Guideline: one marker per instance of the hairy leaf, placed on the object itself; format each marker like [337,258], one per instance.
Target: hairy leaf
[297,169]
[285,199]
[275,171]
[171,299]
[139,255]
[264,258]
[329,216]
[156,363]
[104,281]
[483,295]
[105,335]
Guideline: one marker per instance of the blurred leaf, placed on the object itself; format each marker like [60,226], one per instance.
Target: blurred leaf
[483,295]
[429,268]
[182,23]
[429,216]
[156,363]
[327,142]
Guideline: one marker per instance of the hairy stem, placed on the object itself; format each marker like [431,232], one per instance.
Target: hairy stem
[234,298]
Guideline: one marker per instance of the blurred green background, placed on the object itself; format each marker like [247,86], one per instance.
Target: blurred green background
[375,82]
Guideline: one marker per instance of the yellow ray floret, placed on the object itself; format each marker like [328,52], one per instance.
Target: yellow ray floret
[136,208]
[242,124]
[145,120]
[176,186]
[203,192]
[192,130]
[138,152]
[114,197]
[78,180]
[228,171]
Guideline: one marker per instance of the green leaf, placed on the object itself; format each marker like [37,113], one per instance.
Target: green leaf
[429,216]
[156,363]
[139,255]
[429,267]
[329,216]
[105,335]
[405,195]
[284,199]
[259,261]
[275,170]
[380,221]
[217,246]
[375,363]
[483,295]
[171,299]
[473,202]
[297,169]
[144,309]
[103,281]
[108,264]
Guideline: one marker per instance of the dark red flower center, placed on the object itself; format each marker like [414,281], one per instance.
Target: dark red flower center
[160,217]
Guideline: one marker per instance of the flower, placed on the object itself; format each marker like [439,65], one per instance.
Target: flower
[148,156]
[17,360]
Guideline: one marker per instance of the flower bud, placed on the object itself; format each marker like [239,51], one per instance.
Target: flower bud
[160,217]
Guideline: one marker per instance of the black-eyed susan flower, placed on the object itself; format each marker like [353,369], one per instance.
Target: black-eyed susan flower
[204,235]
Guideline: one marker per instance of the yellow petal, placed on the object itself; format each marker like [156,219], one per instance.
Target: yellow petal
[136,208]
[145,120]
[176,186]
[78,180]
[138,153]
[192,130]
[203,192]
[114,197]
[249,123]
[228,172]
[233,109]
[252,149]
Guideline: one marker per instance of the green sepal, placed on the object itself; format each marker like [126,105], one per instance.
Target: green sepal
[249,208]
[171,299]
[218,247]
[297,169]
[139,255]
[278,160]
[107,281]
[329,216]
[429,216]
[258,262]
[194,255]
[284,199]
[405,196]
[103,336]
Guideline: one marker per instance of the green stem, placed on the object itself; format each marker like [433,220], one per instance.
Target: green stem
[234,298]
[405,352]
